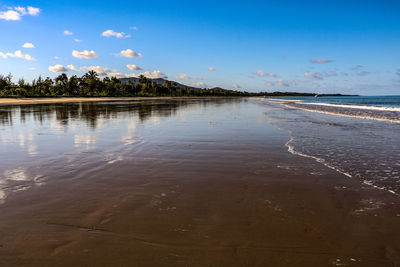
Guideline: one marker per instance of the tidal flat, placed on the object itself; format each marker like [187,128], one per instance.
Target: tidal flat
[181,182]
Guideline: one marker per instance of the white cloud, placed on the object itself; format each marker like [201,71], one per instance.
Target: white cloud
[133,67]
[16,54]
[211,69]
[119,75]
[15,13]
[33,11]
[20,10]
[154,75]
[67,32]
[151,75]
[236,86]
[77,40]
[315,75]
[84,54]
[129,53]
[57,68]
[197,84]
[28,45]
[10,15]
[261,73]
[321,60]
[133,28]
[56,57]
[72,67]
[183,76]
[110,33]
[98,69]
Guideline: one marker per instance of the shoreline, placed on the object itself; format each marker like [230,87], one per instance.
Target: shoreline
[51,100]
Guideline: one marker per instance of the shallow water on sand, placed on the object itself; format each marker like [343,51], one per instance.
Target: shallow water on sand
[43,141]
[365,149]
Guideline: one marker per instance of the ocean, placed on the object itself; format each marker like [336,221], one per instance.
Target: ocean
[363,101]
[386,108]
[358,136]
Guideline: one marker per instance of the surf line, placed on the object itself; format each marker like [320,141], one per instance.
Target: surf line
[291,150]
[289,104]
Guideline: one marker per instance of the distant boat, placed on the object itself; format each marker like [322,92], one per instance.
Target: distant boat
[317,95]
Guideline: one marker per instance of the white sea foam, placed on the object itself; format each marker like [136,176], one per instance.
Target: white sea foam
[364,107]
[292,150]
[303,106]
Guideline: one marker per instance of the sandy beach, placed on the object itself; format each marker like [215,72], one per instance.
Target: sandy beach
[209,184]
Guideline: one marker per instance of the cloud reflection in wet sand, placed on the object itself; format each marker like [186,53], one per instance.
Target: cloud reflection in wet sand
[84,141]
[18,179]
[40,143]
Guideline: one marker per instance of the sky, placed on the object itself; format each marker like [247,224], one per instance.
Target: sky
[350,47]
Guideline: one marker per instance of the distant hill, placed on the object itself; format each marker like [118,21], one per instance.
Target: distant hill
[159,81]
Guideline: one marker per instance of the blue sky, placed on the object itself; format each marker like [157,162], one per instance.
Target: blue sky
[305,46]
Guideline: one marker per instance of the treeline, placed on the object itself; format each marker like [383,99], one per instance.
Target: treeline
[91,85]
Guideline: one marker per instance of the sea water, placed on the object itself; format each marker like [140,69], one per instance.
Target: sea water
[357,136]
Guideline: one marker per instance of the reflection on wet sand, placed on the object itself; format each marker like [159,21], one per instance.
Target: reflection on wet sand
[91,112]
[51,132]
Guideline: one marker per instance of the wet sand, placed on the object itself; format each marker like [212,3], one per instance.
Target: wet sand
[237,199]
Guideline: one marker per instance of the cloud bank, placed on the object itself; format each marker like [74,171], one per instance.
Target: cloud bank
[16,54]
[151,75]
[15,13]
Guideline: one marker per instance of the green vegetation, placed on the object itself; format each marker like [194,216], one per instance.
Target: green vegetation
[90,85]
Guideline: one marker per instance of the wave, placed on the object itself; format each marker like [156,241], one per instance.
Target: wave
[353,106]
[291,149]
[365,107]
[387,114]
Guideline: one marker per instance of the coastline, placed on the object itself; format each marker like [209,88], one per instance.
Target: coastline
[51,100]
